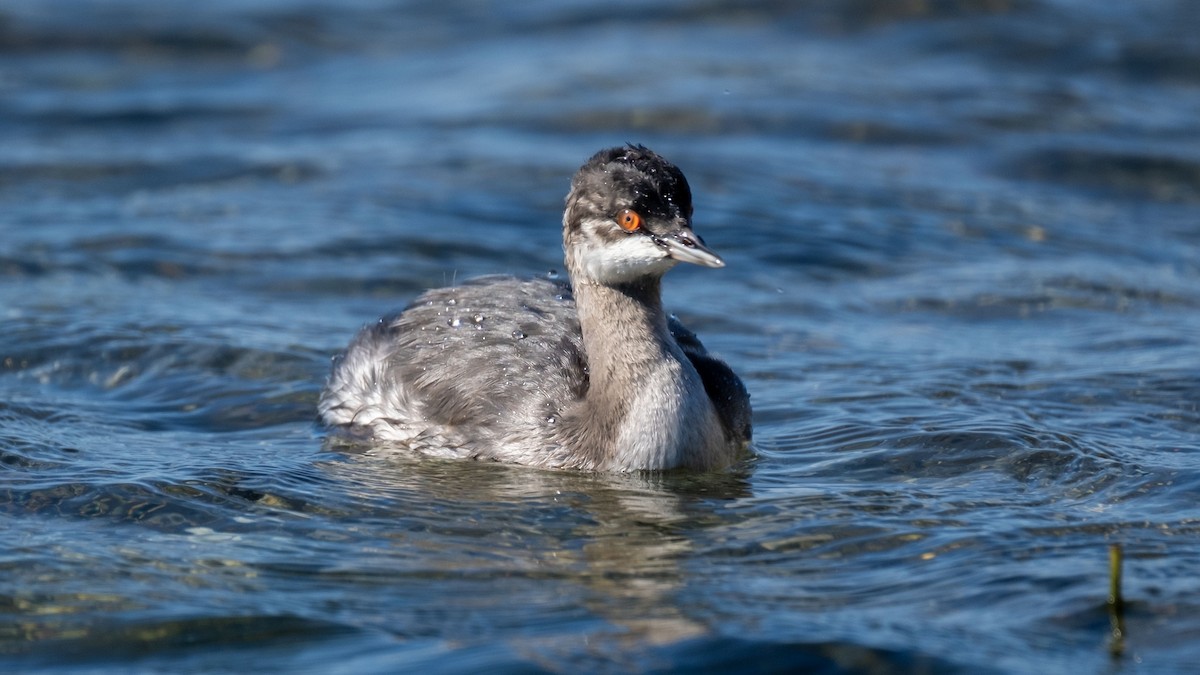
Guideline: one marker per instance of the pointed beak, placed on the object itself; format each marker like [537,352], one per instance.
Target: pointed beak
[685,246]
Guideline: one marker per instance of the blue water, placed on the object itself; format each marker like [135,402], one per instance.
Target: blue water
[963,283]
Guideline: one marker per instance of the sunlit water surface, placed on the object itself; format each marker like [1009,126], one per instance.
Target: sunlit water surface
[962,286]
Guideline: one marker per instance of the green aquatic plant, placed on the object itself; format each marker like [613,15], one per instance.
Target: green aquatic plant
[1116,603]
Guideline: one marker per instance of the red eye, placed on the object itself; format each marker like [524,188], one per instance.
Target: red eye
[629,220]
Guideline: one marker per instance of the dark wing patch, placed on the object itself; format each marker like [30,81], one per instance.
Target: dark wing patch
[723,386]
[727,393]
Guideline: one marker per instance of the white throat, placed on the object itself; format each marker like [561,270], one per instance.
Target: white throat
[622,261]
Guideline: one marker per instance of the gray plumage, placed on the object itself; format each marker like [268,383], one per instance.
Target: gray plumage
[587,375]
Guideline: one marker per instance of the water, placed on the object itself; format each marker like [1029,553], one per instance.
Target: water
[962,286]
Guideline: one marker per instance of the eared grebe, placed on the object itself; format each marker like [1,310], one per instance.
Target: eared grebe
[587,375]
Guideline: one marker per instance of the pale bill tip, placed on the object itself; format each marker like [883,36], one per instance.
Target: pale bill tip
[693,252]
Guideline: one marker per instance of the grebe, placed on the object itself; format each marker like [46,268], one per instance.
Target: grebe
[588,375]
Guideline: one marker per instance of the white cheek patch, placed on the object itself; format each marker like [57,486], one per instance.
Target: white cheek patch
[626,259]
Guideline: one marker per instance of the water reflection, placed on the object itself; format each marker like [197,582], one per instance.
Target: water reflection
[615,543]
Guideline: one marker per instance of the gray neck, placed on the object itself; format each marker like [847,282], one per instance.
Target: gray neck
[624,329]
[645,406]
